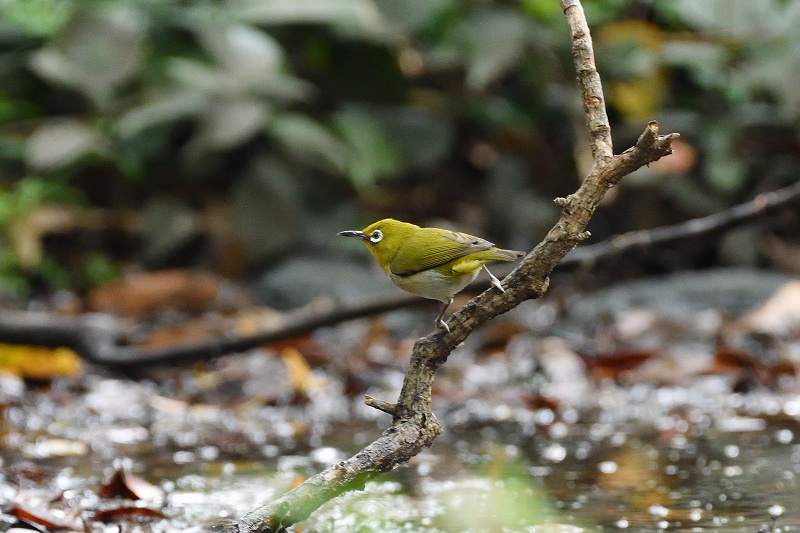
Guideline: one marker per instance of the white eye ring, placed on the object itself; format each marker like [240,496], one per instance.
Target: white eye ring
[375,236]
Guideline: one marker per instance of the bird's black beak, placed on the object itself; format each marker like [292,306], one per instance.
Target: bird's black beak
[353,233]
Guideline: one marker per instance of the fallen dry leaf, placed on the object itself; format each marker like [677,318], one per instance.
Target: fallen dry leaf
[36,362]
[671,366]
[612,365]
[258,319]
[140,294]
[26,233]
[120,514]
[779,315]
[128,486]
[745,365]
[303,381]
[44,517]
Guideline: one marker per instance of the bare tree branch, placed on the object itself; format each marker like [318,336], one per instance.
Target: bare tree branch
[414,426]
[100,339]
[716,223]
[594,106]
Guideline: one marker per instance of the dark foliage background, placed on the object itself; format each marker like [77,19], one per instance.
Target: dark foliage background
[240,135]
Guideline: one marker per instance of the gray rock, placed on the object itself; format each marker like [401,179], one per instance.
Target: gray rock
[297,281]
[733,290]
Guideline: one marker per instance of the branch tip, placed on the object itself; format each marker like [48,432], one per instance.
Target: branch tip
[668,139]
[649,136]
[566,4]
[380,405]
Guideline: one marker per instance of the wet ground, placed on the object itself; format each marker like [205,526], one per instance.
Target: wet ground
[654,430]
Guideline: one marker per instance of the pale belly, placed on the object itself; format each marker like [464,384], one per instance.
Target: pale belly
[431,284]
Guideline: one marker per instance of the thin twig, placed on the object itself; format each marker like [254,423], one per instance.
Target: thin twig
[380,405]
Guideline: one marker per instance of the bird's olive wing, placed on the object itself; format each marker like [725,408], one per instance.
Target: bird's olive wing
[432,247]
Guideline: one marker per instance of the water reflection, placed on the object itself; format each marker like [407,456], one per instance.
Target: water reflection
[677,469]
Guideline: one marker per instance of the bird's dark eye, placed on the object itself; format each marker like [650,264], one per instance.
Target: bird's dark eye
[375,236]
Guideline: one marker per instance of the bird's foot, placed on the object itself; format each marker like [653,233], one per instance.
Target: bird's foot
[495,282]
[440,323]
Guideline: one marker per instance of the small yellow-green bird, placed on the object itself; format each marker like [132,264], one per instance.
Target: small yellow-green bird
[430,262]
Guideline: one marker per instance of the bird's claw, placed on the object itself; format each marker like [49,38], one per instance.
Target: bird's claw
[442,324]
[495,282]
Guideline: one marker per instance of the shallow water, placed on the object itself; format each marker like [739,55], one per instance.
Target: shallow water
[642,459]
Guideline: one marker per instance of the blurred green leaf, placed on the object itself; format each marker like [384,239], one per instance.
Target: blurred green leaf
[488,42]
[60,142]
[497,41]
[210,79]
[707,61]
[54,273]
[29,192]
[543,10]
[200,76]
[738,19]
[404,16]
[424,139]
[343,14]
[267,210]
[780,75]
[159,110]
[283,88]
[231,122]
[309,141]
[98,50]
[98,268]
[723,170]
[373,154]
[12,148]
[487,505]
[167,226]
[244,52]
[604,11]
[36,17]
[11,279]
[7,208]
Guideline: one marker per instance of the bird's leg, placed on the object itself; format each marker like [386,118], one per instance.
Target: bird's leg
[441,323]
[495,281]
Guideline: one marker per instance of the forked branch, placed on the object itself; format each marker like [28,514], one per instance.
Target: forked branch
[414,426]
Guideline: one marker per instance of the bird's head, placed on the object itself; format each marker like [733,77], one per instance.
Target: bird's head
[383,238]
